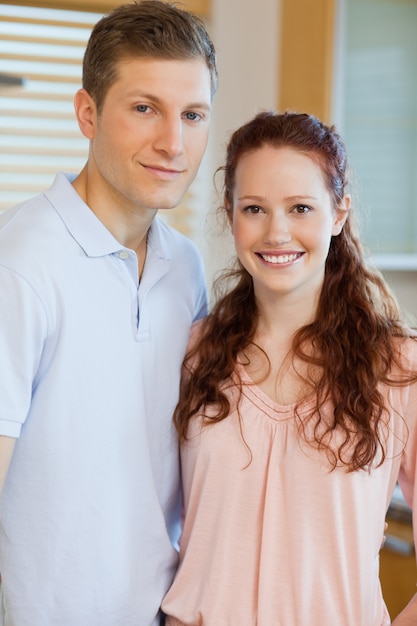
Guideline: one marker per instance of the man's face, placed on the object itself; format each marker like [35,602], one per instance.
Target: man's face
[151,133]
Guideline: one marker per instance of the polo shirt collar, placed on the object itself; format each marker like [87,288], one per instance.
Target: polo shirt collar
[89,232]
[85,227]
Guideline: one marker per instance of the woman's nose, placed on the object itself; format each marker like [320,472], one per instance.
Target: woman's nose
[278,229]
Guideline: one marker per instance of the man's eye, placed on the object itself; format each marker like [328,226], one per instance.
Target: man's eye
[192,116]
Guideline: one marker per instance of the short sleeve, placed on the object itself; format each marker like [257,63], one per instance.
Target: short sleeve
[23,328]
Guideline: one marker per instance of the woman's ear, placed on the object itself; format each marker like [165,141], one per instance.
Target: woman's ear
[341,215]
[86,113]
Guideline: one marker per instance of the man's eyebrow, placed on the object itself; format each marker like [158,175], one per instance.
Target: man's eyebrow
[153,98]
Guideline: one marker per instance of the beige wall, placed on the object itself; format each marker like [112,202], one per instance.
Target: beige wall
[245,36]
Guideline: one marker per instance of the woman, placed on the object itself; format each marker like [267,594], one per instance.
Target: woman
[299,404]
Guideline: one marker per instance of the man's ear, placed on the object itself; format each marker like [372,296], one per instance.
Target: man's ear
[86,113]
[341,215]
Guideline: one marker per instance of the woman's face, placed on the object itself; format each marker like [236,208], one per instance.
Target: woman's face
[282,221]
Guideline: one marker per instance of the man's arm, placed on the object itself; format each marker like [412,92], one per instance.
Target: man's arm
[6,451]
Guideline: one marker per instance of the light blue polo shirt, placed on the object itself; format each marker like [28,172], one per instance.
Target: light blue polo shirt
[89,374]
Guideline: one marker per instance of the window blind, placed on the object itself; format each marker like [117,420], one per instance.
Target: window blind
[39,134]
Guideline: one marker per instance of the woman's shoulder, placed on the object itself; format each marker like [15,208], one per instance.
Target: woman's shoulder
[196,333]
[193,352]
[407,349]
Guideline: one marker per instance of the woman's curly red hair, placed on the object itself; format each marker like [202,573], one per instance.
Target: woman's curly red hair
[355,339]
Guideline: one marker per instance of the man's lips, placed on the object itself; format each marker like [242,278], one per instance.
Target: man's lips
[164,173]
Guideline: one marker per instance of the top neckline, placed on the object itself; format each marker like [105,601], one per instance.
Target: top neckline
[279,411]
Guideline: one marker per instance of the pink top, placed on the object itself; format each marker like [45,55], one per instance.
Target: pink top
[271,536]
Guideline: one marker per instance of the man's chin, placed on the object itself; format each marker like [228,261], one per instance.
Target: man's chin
[170,204]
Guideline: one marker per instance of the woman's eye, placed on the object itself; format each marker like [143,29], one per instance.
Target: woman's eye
[142,108]
[253,209]
[301,209]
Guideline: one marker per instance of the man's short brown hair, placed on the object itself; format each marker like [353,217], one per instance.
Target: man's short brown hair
[148,28]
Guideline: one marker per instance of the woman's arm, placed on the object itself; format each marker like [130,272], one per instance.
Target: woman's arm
[408,616]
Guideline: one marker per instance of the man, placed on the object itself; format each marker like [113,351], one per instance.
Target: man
[97,298]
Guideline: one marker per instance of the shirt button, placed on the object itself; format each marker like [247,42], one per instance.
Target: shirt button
[123,255]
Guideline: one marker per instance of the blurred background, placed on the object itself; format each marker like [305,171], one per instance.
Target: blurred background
[353,63]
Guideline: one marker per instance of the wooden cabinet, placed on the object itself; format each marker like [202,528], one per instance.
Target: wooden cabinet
[398,569]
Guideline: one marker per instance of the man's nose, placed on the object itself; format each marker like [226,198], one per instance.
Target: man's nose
[170,136]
